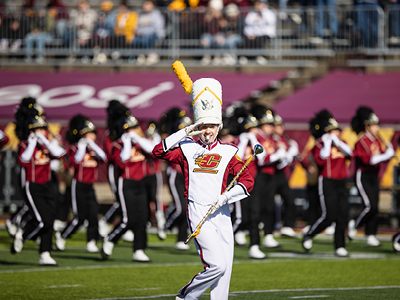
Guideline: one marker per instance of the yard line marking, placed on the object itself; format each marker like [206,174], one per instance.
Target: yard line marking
[63,286]
[316,296]
[311,258]
[144,289]
[264,291]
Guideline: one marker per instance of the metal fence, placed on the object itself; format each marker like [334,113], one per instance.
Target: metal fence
[218,38]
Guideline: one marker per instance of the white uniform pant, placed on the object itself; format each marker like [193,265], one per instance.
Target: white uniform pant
[215,246]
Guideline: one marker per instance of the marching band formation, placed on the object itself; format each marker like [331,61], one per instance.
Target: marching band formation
[138,155]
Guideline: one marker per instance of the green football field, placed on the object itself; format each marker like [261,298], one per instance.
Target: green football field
[287,273]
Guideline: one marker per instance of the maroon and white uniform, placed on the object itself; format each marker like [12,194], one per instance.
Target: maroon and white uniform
[84,158]
[34,155]
[129,154]
[206,169]
[369,156]
[330,154]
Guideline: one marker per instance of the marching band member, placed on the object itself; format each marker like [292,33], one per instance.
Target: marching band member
[172,121]
[264,187]
[330,154]
[85,156]
[369,156]
[251,207]
[128,152]
[35,152]
[206,164]
[281,181]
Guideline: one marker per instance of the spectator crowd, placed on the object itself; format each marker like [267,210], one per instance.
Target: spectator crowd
[222,25]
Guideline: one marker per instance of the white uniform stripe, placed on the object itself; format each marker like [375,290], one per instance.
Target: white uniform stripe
[175,196]
[75,221]
[322,202]
[238,214]
[111,178]
[35,212]
[364,197]
[159,186]
[124,222]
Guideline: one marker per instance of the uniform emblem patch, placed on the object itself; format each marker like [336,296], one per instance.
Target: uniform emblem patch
[208,163]
[207,104]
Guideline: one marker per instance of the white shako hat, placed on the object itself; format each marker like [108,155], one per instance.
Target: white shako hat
[206,96]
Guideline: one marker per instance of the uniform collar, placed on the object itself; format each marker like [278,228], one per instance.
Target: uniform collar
[209,146]
[370,136]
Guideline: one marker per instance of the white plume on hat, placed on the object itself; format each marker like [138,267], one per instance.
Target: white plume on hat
[206,98]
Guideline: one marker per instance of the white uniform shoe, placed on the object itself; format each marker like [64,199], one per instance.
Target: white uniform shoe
[255,252]
[288,231]
[351,229]
[60,242]
[128,236]
[372,241]
[270,242]
[179,297]
[46,260]
[305,229]
[91,247]
[307,243]
[240,238]
[140,256]
[59,225]
[341,252]
[330,230]
[181,246]
[396,242]
[11,228]
[18,242]
[107,248]
[104,227]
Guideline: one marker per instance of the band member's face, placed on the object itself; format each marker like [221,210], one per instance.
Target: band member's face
[91,135]
[208,133]
[268,129]
[373,129]
[279,129]
[336,132]
[41,131]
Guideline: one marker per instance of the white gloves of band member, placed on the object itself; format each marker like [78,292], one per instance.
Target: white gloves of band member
[83,144]
[129,137]
[376,159]
[219,202]
[32,141]
[174,139]
[2,135]
[193,130]
[328,139]
[34,138]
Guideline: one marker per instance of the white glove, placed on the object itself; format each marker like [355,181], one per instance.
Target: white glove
[2,135]
[32,142]
[221,201]
[80,153]
[42,139]
[277,155]
[144,143]
[376,159]
[127,148]
[326,137]
[343,147]
[326,149]
[100,153]
[192,130]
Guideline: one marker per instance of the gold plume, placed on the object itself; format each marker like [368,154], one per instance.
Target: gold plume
[183,76]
